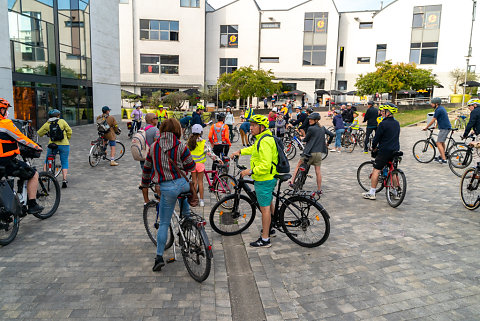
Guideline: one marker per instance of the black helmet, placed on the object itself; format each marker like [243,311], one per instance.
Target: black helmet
[314,116]
[221,116]
[310,110]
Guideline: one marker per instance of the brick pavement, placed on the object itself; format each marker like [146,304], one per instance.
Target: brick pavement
[92,260]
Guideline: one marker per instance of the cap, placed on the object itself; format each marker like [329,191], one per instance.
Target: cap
[197,129]
[274,109]
[105,109]
[436,100]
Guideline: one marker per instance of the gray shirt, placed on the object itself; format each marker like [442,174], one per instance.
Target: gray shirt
[315,139]
[152,135]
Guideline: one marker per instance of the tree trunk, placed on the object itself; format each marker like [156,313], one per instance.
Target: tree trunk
[394,97]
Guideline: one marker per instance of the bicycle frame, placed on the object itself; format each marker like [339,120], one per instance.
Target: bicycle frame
[215,179]
[450,140]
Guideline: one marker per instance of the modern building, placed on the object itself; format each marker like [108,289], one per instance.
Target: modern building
[63,54]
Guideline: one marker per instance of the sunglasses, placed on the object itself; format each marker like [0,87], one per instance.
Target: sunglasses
[155,118]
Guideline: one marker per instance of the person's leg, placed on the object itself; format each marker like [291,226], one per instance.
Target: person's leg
[200,184]
[300,161]
[32,185]
[318,172]
[49,151]
[183,186]
[266,221]
[217,150]
[244,137]
[367,139]
[64,151]
[166,206]
[441,150]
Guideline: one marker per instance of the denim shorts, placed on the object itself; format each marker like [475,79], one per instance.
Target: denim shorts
[264,190]
[64,151]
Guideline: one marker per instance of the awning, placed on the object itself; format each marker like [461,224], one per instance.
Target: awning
[321,92]
[470,83]
[352,92]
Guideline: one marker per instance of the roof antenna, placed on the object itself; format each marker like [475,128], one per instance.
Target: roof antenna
[381,5]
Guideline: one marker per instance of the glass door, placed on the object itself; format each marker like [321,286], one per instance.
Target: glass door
[46,100]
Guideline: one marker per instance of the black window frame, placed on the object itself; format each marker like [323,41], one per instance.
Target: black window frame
[228,31]
[228,65]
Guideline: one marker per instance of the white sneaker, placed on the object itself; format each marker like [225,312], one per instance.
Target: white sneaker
[202,203]
[333,150]
[338,151]
[369,196]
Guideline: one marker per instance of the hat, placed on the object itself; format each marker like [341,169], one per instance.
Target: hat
[370,102]
[105,109]
[274,109]
[197,129]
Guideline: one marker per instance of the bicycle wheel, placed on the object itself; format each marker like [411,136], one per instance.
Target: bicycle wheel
[290,150]
[251,139]
[364,175]
[324,155]
[305,221]
[48,195]
[456,146]
[459,160]
[196,251]
[424,151]
[119,150]
[348,143]
[396,194]
[150,221]
[95,155]
[469,188]
[300,178]
[235,220]
[235,135]
[225,185]
[361,138]
[9,224]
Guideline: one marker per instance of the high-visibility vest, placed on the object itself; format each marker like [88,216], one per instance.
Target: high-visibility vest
[355,124]
[217,131]
[162,114]
[198,154]
[248,113]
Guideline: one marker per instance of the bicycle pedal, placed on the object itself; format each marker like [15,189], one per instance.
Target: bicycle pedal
[310,176]
[171,260]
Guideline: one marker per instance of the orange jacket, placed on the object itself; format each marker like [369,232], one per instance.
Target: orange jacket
[216,132]
[10,136]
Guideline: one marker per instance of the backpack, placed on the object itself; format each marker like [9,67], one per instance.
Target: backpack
[139,147]
[283,166]
[102,125]
[55,133]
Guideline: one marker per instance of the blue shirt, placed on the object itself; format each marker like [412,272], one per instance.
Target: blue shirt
[245,126]
[441,116]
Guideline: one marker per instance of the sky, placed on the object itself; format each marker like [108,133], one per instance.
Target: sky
[342,5]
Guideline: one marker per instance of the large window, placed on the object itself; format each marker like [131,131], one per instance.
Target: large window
[381,53]
[229,36]
[155,64]
[319,83]
[158,30]
[315,38]
[342,85]
[365,25]
[425,34]
[190,3]
[228,65]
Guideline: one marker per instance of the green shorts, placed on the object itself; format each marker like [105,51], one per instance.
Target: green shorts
[264,190]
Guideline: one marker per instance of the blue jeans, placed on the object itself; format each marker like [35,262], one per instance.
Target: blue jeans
[170,191]
[338,137]
[64,151]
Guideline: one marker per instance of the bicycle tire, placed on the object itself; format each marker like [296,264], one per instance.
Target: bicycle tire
[95,155]
[150,221]
[324,155]
[226,221]
[364,174]
[235,135]
[361,138]
[459,160]
[469,192]
[251,139]
[225,185]
[195,250]
[290,150]
[297,225]
[47,185]
[347,143]
[9,225]
[300,178]
[422,150]
[391,193]
[119,152]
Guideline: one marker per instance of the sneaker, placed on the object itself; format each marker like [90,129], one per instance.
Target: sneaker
[365,151]
[333,150]
[35,209]
[64,183]
[159,263]
[202,203]
[437,159]
[339,151]
[369,196]
[443,161]
[272,232]
[261,243]
[113,163]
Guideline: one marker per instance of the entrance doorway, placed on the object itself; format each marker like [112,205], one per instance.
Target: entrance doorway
[46,101]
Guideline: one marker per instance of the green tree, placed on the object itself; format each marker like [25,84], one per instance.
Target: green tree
[246,83]
[175,99]
[458,77]
[389,78]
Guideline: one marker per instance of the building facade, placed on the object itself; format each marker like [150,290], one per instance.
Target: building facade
[61,56]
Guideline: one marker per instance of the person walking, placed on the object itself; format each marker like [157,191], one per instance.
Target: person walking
[370,118]
[444,126]
[244,129]
[136,116]
[219,139]
[229,119]
[339,129]
[111,134]
[63,144]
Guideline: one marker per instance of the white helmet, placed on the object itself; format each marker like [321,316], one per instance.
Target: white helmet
[197,129]
[274,109]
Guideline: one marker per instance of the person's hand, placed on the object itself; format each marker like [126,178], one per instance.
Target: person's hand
[245,172]
[237,153]
[425,128]
[220,161]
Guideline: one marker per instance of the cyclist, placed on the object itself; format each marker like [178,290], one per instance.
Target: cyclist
[387,139]
[161,114]
[111,134]
[370,118]
[263,173]
[249,112]
[339,130]
[348,115]
[185,122]
[244,129]
[474,122]
[355,126]
[444,126]
[229,119]
[63,145]
[10,137]
[304,126]
[314,148]
[219,138]
[301,117]
[136,116]
[197,116]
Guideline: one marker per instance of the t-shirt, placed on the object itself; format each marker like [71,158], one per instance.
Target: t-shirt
[151,135]
[441,116]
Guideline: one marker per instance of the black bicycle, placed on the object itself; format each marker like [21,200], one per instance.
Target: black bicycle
[425,150]
[461,159]
[302,218]
[469,191]
[302,174]
[52,166]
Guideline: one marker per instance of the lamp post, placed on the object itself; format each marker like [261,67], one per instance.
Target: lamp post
[331,82]
[469,54]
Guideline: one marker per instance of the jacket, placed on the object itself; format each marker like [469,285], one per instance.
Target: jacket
[229,119]
[157,168]
[371,117]
[218,133]
[113,130]
[338,122]
[136,115]
[263,159]
[300,119]
[473,123]
[67,131]
[197,119]
[387,136]
[10,136]
[249,113]
[315,139]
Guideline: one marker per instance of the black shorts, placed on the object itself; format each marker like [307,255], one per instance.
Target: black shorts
[382,160]
[16,168]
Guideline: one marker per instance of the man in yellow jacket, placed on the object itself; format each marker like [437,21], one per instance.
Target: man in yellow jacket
[263,171]
[62,146]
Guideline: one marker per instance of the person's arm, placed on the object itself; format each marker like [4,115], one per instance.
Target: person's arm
[308,135]
[147,171]
[210,135]
[471,122]
[378,135]
[187,161]
[330,136]
[44,129]
[132,114]
[68,130]
[227,135]
[7,127]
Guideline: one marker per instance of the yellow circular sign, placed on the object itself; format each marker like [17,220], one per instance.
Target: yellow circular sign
[233,38]
[432,18]
[320,24]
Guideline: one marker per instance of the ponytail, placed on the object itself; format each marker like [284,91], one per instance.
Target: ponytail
[192,141]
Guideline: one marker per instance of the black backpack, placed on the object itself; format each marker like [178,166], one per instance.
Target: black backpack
[56,133]
[283,166]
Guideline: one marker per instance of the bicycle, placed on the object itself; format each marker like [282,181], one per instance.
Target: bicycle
[291,143]
[133,127]
[98,151]
[192,239]
[348,141]
[460,159]
[391,177]
[469,183]
[220,184]
[26,128]
[13,202]
[460,121]
[51,165]
[302,218]
[302,174]
[424,150]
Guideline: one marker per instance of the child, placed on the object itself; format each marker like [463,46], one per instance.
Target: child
[280,125]
[199,150]
[356,123]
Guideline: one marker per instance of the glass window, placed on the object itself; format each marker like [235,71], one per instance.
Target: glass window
[270,25]
[414,55]
[319,83]
[365,25]
[154,64]
[342,85]
[269,59]
[429,56]
[315,38]
[190,3]
[228,65]
[159,30]
[381,53]
[42,8]
[363,60]
[229,36]
[70,65]
[417,20]
[425,34]
[123,1]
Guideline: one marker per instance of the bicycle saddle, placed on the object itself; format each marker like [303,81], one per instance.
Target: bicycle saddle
[52,146]
[454,129]
[184,195]
[283,177]
[397,154]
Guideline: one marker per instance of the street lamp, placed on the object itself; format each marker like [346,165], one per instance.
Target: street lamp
[331,82]
[469,54]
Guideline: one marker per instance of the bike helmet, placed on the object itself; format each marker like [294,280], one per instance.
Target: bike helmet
[4,103]
[473,102]
[200,107]
[260,120]
[197,129]
[53,113]
[105,109]
[221,116]
[314,116]
[390,107]
[370,102]
[436,101]
[310,110]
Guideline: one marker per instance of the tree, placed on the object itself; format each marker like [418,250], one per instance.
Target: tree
[246,83]
[175,99]
[458,77]
[389,78]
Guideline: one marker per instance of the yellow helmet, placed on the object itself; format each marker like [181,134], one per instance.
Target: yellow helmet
[390,107]
[200,107]
[260,120]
